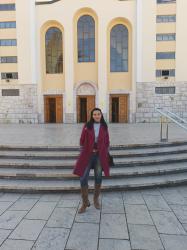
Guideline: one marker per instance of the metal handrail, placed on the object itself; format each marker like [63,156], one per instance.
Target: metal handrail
[173,117]
[178,117]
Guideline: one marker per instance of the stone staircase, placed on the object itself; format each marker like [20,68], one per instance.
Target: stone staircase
[39,169]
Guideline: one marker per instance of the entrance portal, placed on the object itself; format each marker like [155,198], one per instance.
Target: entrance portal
[85,101]
[119,108]
[84,106]
[53,109]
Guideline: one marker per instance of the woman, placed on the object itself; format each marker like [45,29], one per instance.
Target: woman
[94,142]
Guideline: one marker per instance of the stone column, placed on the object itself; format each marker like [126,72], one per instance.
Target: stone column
[102,69]
[69,116]
[137,56]
[145,58]
[181,40]
[26,52]
[26,41]
[139,41]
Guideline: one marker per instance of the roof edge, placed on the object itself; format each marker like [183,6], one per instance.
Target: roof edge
[46,2]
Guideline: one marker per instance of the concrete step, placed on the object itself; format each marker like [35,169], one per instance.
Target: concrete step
[60,155]
[108,184]
[76,148]
[115,172]
[69,163]
[36,169]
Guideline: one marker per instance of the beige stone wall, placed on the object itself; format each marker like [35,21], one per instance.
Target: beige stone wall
[148,100]
[19,109]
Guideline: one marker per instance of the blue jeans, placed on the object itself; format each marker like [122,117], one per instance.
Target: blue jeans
[94,162]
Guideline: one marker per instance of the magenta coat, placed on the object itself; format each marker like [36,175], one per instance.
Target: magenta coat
[87,142]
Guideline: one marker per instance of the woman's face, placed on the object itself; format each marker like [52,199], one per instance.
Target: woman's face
[97,116]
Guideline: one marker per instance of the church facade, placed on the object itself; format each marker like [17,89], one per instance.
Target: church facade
[61,58]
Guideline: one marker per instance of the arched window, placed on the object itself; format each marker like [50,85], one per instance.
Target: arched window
[53,51]
[86,39]
[119,49]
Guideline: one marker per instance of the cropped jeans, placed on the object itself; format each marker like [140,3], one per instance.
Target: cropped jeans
[94,163]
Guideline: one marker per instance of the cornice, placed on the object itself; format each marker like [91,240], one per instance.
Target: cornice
[46,2]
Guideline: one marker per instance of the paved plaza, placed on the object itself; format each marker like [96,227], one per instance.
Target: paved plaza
[69,134]
[153,219]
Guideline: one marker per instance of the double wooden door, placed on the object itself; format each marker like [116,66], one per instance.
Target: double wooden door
[53,106]
[84,106]
[119,108]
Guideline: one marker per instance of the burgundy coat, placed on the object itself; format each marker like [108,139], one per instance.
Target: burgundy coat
[87,142]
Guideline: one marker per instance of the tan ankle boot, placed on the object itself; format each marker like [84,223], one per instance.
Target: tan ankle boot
[97,192]
[85,201]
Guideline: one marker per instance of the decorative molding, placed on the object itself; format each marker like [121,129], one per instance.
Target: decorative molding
[79,84]
[120,91]
[54,92]
[86,89]
[46,2]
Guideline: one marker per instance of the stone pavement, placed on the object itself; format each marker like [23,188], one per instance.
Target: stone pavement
[69,134]
[153,219]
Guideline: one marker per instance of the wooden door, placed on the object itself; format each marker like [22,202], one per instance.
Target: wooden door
[57,113]
[79,110]
[46,109]
[59,110]
[52,109]
[119,105]
[90,105]
[123,109]
[115,109]
[84,104]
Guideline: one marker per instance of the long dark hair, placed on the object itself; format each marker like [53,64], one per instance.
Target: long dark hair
[90,123]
